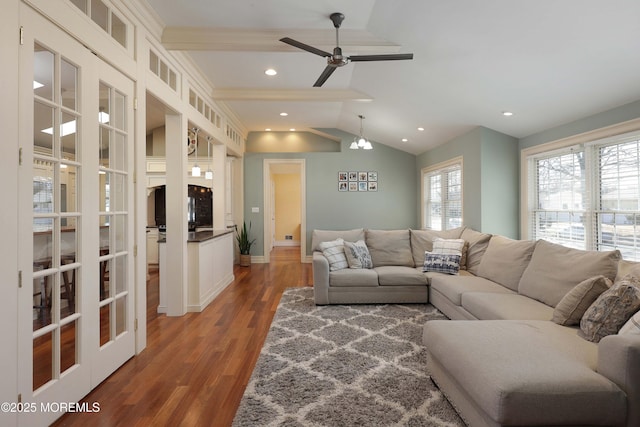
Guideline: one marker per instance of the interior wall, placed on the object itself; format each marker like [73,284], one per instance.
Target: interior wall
[392,206]
[287,208]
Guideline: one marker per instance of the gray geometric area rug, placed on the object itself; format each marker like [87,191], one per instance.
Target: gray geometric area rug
[344,365]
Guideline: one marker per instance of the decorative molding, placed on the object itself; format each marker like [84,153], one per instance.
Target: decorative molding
[268,40]
[257,94]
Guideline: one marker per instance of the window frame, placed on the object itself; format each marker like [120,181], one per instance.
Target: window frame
[590,142]
[441,168]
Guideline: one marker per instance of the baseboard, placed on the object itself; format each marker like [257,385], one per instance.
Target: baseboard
[286,243]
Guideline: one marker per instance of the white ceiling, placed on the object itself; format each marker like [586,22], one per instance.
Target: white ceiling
[548,61]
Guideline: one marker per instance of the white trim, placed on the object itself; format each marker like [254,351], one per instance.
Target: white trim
[585,138]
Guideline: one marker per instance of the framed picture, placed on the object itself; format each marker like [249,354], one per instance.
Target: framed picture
[373,186]
[342,186]
[353,186]
[362,186]
[342,176]
[362,176]
[353,176]
[373,176]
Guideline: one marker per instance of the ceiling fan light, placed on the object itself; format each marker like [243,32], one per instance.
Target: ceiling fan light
[368,146]
[354,145]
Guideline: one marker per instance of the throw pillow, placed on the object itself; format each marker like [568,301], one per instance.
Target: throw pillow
[611,310]
[441,263]
[358,254]
[448,246]
[334,252]
[632,327]
[572,306]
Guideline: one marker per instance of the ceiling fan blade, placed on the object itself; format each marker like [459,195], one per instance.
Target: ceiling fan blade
[306,47]
[328,70]
[388,57]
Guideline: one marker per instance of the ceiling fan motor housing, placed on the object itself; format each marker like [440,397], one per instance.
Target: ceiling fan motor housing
[337,60]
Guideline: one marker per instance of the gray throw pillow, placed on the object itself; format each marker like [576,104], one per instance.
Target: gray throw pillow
[358,254]
[573,305]
[611,310]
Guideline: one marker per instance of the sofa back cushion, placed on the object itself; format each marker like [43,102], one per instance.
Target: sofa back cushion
[319,236]
[390,247]
[477,244]
[627,267]
[555,269]
[505,260]
[422,241]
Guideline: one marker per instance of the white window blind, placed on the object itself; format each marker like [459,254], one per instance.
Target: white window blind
[587,196]
[442,198]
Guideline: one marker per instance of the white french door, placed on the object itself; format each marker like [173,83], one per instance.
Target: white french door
[76,305]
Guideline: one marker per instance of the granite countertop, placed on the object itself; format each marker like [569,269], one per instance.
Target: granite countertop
[201,236]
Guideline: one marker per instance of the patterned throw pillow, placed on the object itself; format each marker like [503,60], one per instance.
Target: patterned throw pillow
[441,263]
[611,310]
[632,327]
[334,252]
[358,254]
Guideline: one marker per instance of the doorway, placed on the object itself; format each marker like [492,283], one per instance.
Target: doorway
[284,205]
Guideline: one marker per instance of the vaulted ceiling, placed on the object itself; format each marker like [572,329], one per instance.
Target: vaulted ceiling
[548,62]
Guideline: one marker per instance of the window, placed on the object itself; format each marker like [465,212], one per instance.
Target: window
[587,196]
[442,195]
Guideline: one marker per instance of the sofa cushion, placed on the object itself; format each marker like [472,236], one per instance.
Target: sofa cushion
[334,252]
[422,241]
[441,263]
[357,254]
[503,306]
[505,260]
[454,287]
[392,275]
[555,269]
[526,372]
[319,236]
[632,327]
[389,247]
[477,245]
[348,277]
[611,310]
[572,306]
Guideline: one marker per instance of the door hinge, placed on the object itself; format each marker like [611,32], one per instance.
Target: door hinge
[135,250]
[20,279]
[19,397]
[20,156]
[135,325]
[135,177]
[21,35]
[135,103]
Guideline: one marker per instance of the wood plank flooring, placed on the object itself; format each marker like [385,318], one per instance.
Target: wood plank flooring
[195,368]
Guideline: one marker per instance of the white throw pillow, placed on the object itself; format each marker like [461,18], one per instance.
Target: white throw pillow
[632,327]
[334,252]
[448,246]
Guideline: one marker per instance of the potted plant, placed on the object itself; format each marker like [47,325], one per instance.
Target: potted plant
[244,244]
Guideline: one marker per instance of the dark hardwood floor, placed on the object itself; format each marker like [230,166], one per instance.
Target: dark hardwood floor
[195,368]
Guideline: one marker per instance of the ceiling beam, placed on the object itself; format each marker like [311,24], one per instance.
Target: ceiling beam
[232,39]
[317,94]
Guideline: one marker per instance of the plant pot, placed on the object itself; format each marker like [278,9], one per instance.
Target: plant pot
[245,260]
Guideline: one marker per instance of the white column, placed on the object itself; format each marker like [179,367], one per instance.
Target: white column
[218,164]
[176,208]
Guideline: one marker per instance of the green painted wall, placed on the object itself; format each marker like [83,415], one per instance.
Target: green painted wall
[392,206]
[489,178]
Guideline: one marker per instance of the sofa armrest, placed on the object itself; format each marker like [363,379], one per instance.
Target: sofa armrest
[320,266]
[619,361]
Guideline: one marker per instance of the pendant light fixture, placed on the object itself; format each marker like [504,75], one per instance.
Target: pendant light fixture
[209,173]
[195,170]
[361,141]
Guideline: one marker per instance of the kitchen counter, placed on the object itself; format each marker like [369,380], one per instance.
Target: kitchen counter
[200,236]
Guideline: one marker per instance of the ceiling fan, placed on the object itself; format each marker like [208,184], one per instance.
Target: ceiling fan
[336,59]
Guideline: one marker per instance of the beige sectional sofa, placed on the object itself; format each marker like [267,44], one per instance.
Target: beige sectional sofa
[504,362]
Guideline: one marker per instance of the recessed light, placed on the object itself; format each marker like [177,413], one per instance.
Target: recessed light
[292,129]
[267,130]
[405,140]
[270,72]
[283,114]
[507,113]
[420,129]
